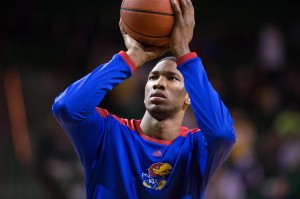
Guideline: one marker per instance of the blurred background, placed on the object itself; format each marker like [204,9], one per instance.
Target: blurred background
[251,51]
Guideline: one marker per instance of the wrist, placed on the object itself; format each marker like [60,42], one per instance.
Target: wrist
[136,55]
[180,51]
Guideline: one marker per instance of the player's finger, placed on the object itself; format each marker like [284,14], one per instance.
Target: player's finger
[123,32]
[188,12]
[176,8]
[184,7]
[189,2]
[190,6]
[188,9]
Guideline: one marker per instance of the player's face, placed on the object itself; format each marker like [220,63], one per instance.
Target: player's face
[164,91]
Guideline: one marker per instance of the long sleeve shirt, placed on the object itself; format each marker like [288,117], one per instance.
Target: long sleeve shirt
[120,161]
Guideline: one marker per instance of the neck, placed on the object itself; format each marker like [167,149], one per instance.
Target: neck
[165,129]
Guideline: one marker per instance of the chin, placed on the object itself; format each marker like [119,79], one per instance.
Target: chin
[156,109]
[158,112]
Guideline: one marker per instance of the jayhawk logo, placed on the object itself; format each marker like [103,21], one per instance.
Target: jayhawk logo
[156,176]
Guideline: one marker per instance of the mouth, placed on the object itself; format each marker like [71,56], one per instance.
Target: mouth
[158,94]
[157,97]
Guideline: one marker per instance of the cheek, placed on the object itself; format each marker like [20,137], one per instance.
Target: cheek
[180,94]
[147,90]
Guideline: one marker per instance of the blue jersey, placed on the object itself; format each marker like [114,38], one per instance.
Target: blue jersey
[120,161]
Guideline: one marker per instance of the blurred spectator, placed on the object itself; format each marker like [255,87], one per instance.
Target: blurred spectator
[244,173]
[271,48]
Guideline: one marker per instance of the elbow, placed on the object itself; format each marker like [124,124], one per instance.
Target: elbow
[230,134]
[226,134]
[225,128]
[66,110]
[61,110]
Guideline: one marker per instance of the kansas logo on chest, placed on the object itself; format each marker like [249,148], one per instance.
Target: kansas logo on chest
[156,176]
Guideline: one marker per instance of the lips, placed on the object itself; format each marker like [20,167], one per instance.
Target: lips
[157,97]
[158,94]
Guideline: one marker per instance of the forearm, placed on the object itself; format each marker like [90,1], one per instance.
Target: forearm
[79,100]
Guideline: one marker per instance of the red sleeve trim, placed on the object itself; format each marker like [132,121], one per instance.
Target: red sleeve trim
[128,61]
[186,57]
[102,112]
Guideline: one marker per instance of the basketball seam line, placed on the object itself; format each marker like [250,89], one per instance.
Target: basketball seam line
[147,11]
[142,33]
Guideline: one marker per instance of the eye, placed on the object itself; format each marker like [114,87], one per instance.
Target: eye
[173,78]
[152,77]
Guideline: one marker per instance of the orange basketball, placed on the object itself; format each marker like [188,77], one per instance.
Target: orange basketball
[150,22]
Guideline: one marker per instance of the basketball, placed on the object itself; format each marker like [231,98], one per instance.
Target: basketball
[150,22]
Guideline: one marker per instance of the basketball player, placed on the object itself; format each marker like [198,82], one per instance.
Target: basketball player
[155,157]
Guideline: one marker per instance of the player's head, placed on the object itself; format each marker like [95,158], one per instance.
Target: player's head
[165,94]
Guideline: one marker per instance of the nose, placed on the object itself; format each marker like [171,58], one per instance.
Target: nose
[160,83]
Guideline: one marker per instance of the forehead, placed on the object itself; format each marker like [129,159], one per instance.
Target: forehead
[166,66]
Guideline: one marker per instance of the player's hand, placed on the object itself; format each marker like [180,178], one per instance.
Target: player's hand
[138,53]
[183,28]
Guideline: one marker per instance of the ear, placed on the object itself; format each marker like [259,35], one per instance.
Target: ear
[187,100]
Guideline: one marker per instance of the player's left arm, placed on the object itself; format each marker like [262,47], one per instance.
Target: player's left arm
[212,116]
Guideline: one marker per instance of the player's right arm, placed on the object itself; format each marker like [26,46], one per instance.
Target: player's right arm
[75,107]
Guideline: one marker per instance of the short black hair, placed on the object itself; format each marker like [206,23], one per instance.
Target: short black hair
[169,58]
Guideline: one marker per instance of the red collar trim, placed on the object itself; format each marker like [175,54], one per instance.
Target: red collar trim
[136,126]
[182,133]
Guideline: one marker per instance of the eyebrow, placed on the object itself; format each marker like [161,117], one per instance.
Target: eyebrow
[169,73]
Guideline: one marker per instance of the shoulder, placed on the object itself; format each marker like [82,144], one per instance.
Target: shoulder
[132,124]
[184,131]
